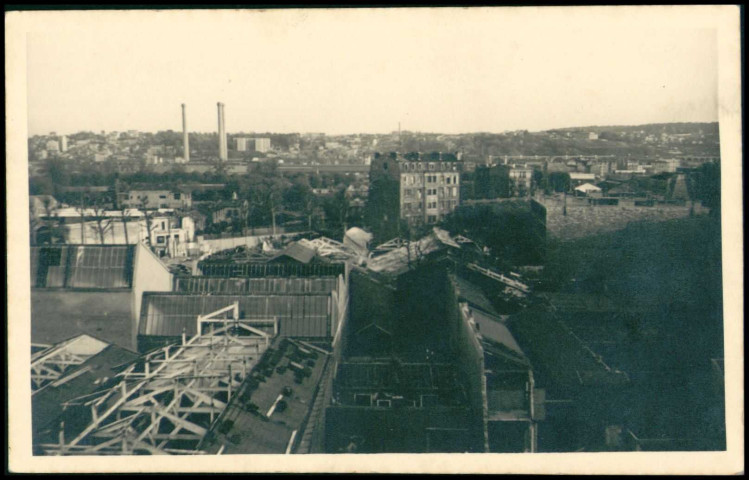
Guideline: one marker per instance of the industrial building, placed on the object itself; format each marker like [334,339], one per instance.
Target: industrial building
[427,364]
[92,289]
[220,355]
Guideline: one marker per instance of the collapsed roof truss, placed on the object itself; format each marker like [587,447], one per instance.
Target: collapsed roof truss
[166,402]
[50,364]
[327,247]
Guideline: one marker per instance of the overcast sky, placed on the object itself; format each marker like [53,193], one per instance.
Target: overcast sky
[363,71]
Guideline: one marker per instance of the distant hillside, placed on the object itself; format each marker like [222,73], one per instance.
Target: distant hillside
[705,128]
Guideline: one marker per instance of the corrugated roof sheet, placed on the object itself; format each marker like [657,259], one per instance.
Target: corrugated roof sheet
[82,266]
[216,285]
[231,268]
[299,315]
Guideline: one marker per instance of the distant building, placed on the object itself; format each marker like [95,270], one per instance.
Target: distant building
[600,169]
[587,189]
[246,144]
[171,236]
[418,188]
[53,146]
[592,136]
[243,144]
[520,178]
[262,144]
[158,199]
[63,143]
[578,178]
[666,166]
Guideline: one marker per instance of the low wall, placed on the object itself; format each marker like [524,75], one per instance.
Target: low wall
[114,234]
[218,244]
[583,219]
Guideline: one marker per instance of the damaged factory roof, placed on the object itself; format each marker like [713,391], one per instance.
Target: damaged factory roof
[295,252]
[88,376]
[398,256]
[270,412]
[277,285]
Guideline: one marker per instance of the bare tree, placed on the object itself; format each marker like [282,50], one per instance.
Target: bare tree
[143,203]
[125,218]
[102,224]
[81,207]
[309,209]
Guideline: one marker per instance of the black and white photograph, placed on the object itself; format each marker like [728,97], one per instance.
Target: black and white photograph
[395,240]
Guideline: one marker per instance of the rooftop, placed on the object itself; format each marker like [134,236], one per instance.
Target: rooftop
[274,285]
[256,420]
[299,314]
[83,266]
[297,252]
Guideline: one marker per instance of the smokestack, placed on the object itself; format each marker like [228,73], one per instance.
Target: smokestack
[222,153]
[223,137]
[185,140]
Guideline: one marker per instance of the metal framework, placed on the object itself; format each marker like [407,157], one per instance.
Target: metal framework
[388,246]
[51,363]
[514,287]
[166,402]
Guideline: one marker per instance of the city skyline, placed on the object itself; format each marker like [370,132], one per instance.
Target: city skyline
[365,71]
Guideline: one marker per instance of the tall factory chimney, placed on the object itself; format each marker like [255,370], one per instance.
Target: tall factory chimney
[222,151]
[185,140]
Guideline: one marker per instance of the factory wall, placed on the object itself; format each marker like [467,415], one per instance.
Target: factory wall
[470,361]
[149,275]
[59,314]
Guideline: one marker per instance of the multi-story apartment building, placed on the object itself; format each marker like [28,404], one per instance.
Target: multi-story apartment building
[520,179]
[417,188]
[245,144]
